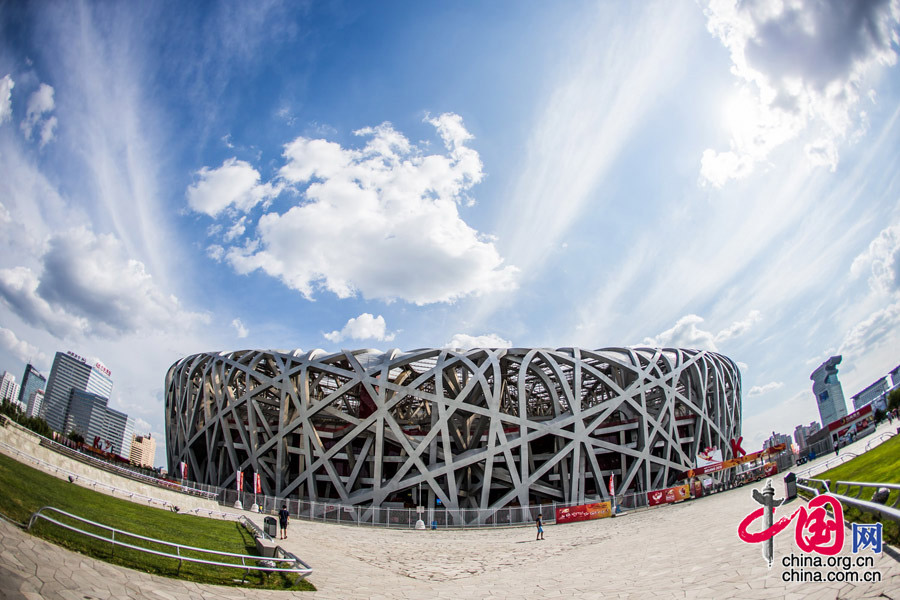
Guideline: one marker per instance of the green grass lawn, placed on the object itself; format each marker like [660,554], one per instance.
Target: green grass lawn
[25,490]
[879,465]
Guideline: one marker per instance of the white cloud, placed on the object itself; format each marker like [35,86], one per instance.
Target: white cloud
[89,285]
[236,230]
[882,260]
[40,103]
[6,86]
[686,333]
[466,342]
[235,183]
[242,331]
[20,348]
[364,327]
[758,390]
[381,221]
[800,66]
[215,252]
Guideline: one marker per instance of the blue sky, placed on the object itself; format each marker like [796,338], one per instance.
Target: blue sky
[184,178]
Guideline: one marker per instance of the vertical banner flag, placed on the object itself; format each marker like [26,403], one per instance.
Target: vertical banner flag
[183,467]
[240,481]
[612,486]
[257,484]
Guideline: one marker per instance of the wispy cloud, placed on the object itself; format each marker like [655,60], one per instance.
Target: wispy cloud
[20,348]
[240,328]
[6,86]
[759,390]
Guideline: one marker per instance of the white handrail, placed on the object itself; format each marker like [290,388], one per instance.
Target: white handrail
[303,571]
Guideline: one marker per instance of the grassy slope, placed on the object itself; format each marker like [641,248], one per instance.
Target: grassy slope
[879,465]
[27,489]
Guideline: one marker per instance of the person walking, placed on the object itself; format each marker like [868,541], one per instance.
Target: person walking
[540,527]
[283,518]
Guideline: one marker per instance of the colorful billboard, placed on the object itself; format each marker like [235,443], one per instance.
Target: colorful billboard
[668,495]
[583,512]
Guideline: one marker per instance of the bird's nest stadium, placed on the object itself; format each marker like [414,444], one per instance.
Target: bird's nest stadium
[481,428]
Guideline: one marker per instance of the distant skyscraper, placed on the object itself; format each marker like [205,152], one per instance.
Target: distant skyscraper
[35,402]
[828,391]
[802,433]
[69,373]
[143,450]
[32,381]
[9,389]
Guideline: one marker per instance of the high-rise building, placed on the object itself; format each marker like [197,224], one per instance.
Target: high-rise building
[35,402]
[802,433]
[87,415]
[143,450]
[32,381]
[828,391]
[9,389]
[69,373]
[119,431]
[777,438]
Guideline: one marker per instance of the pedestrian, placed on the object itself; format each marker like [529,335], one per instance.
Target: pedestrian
[837,448]
[283,517]
[540,527]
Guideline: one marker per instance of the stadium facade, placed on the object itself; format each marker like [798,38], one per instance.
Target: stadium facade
[480,428]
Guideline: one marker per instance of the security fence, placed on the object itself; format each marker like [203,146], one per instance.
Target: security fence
[407,517]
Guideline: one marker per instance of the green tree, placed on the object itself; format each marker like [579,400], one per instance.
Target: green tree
[893,400]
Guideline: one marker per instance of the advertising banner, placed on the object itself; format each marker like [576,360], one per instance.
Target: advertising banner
[672,494]
[709,456]
[732,462]
[583,512]
[239,481]
[257,484]
[770,469]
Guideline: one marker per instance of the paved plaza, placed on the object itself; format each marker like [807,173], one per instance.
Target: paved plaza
[689,550]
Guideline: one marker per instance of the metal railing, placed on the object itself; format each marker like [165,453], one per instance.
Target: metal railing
[820,486]
[298,567]
[837,460]
[406,517]
[880,439]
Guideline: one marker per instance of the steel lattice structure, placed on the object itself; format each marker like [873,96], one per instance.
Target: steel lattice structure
[482,428]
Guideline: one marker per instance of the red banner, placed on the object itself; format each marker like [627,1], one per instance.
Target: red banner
[583,512]
[770,469]
[240,481]
[257,484]
[672,494]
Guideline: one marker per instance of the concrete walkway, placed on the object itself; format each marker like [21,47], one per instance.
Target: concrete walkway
[690,550]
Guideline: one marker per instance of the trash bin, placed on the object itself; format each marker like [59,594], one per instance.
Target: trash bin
[271,527]
[790,486]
